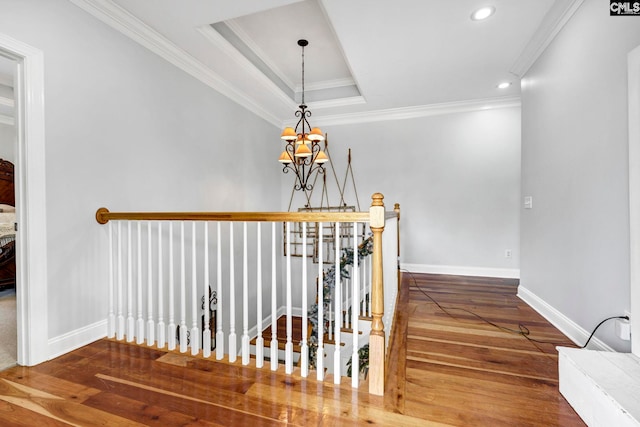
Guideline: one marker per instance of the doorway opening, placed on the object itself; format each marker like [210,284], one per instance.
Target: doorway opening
[30,198]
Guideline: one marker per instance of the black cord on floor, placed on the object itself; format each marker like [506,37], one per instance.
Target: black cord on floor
[600,324]
[522,329]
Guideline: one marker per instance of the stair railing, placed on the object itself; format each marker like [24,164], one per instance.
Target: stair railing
[175,293]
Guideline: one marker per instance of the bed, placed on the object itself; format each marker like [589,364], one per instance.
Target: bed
[7,226]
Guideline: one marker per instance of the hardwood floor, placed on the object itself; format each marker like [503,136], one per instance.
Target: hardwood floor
[459,371]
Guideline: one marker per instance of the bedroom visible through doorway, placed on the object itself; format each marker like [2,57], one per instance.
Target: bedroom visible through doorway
[8,316]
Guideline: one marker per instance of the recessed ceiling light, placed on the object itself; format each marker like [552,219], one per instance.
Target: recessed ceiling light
[483,13]
[504,85]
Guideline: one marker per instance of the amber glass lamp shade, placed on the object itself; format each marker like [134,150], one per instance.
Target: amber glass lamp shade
[303,151]
[289,134]
[285,157]
[316,135]
[321,157]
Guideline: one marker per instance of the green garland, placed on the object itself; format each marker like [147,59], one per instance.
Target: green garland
[328,283]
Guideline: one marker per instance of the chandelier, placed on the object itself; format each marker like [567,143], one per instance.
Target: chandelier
[302,153]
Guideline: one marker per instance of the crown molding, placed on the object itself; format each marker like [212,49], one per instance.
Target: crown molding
[338,102]
[124,22]
[418,111]
[6,120]
[552,23]
[327,84]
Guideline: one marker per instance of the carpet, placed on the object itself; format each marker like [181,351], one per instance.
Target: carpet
[8,331]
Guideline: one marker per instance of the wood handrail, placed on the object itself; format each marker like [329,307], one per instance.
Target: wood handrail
[103,216]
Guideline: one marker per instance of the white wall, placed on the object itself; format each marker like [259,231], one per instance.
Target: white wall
[456,177]
[575,240]
[127,130]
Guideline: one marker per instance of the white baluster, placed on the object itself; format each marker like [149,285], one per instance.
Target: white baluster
[171,328]
[139,320]
[355,365]
[120,319]
[130,320]
[320,351]
[274,309]
[150,325]
[195,334]
[183,294]
[363,292]
[233,349]
[245,298]
[219,332]
[304,348]
[288,348]
[206,333]
[259,339]
[338,312]
[369,284]
[111,317]
[161,326]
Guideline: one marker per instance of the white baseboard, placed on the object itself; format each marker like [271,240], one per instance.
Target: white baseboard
[459,270]
[572,330]
[75,339]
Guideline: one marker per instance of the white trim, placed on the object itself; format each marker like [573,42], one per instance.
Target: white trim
[124,22]
[459,270]
[418,111]
[6,120]
[338,102]
[327,84]
[73,340]
[223,44]
[634,194]
[253,46]
[31,243]
[7,102]
[572,330]
[553,22]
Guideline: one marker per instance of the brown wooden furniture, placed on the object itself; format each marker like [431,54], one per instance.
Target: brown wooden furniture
[7,241]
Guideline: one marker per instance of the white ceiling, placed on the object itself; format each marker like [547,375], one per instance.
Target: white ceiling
[366,58]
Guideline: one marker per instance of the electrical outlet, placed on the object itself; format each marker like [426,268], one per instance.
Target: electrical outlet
[507,253]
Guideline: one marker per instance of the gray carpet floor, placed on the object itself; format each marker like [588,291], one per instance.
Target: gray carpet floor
[8,331]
